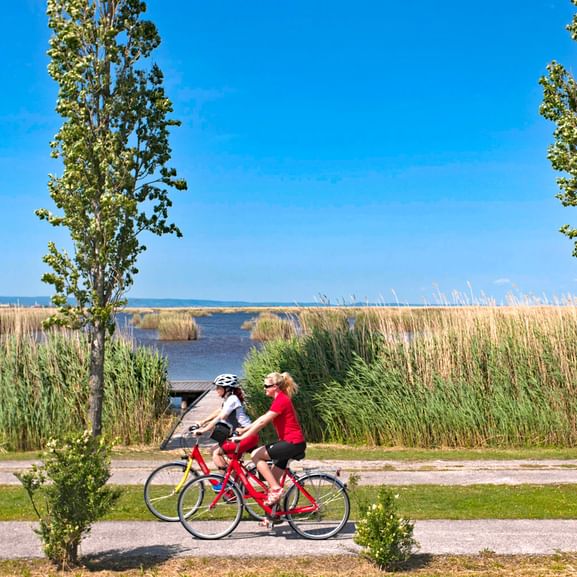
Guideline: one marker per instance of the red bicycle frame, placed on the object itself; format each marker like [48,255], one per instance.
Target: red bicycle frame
[242,476]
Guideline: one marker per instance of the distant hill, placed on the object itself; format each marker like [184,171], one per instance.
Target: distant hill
[42,301]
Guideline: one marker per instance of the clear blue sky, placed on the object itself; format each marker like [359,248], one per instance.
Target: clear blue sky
[348,149]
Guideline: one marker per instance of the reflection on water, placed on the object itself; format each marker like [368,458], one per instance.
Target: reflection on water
[221,348]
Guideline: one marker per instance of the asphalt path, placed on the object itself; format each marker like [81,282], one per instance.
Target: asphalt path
[166,540]
[439,472]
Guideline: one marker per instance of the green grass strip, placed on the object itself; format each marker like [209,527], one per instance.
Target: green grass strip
[415,502]
[353,453]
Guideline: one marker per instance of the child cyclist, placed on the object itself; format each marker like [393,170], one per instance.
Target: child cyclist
[280,387]
[232,412]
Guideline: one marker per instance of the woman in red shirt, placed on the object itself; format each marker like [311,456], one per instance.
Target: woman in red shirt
[281,388]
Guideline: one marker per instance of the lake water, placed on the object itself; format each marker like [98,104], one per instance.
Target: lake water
[221,348]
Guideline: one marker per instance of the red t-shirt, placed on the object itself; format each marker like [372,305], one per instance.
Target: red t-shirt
[286,423]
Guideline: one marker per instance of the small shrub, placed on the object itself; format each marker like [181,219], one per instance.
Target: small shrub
[69,493]
[386,538]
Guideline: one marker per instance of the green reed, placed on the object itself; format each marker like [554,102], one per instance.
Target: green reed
[455,377]
[312,360]
[44,390]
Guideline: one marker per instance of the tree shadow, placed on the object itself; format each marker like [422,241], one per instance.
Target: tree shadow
[417,561]
[125,559]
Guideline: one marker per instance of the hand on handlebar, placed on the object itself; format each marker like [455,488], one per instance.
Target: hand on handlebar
[194,429]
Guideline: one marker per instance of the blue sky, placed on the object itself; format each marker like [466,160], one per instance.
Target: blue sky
[346,149]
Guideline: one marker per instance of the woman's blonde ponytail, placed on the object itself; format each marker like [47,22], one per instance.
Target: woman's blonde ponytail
[284,382]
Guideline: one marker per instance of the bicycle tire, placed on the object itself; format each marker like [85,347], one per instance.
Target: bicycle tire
[333,502]
[160,493]
[201,515]
[251,506]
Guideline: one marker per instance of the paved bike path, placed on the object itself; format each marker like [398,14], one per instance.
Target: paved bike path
[165,540]
[157,539]
[439,472]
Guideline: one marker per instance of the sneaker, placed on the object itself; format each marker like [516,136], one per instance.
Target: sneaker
[274,496]
[229,496]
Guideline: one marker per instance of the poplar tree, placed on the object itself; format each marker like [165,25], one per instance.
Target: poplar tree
[114,151]
[560,106]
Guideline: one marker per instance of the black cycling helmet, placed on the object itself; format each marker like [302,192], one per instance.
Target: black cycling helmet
[227,381]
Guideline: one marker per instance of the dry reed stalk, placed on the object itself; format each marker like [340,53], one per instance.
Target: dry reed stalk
[23,320]
[269,327]
[177,327]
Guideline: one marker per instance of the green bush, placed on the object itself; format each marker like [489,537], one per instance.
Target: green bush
[386,538]
[69,493]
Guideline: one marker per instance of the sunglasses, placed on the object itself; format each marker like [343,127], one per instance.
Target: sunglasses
[269,386]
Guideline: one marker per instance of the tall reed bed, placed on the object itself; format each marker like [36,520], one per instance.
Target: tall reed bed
[177,327]
[459,376]
[147,320]
[313,360]
[22,320]
[172,325]
[44,390]
[268,327]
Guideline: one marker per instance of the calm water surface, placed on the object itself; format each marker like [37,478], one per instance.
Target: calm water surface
[221,348]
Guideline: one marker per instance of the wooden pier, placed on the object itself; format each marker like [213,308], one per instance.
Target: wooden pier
[199,399]
[189,391]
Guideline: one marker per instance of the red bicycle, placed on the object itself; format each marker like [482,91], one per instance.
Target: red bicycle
[165,483]
[316,504]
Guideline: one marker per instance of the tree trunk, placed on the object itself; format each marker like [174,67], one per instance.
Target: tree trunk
[98,339]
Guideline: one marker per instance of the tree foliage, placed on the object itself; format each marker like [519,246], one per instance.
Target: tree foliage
[114,149]
[560,106]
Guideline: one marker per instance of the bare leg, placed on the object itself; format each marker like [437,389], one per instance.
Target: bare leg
[277,473]
[219,459]
[260,457]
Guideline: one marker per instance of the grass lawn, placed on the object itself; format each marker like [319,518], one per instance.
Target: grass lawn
[485,565]
[415,502]
[346,452]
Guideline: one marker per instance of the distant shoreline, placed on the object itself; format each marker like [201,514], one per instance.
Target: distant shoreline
[169,303]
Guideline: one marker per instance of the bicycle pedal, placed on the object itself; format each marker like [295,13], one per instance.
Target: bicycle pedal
[269,523]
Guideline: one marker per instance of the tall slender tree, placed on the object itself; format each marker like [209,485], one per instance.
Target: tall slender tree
[114,149]
[560,106]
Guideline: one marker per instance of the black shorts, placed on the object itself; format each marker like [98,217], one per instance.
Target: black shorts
[282,451]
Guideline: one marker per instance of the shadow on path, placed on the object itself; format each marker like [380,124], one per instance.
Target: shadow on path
[125,559]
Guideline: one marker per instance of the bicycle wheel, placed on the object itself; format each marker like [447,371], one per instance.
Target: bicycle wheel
[332,511]
[252,508]
[160,489]
[206,515]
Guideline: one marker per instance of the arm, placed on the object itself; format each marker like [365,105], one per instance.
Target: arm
[259,424]
[230,404]
[211,421]
[210,417]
